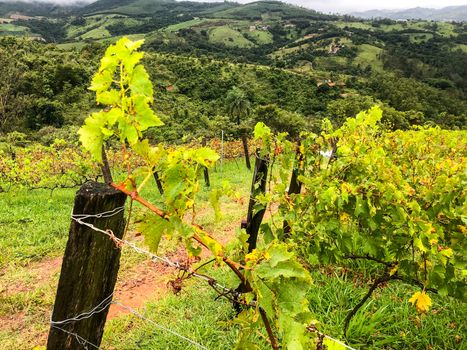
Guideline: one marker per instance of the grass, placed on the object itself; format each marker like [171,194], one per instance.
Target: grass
[98,33]
[33,224]
[187,24]
[95,27]
[13,29]
[368,56]
[330,63]
[357,25]
[387,320]
[229,37]
[9,27]
[462,47]
[418,38]
[261,37]
[34,228]
[193,313]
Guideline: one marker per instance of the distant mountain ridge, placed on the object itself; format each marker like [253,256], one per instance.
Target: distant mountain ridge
[450,13]
[39,8]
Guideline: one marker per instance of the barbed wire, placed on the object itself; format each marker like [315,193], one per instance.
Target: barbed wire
[78,218]
[81,341]
[103,305]
[97,309]
[122,242]
[136,313]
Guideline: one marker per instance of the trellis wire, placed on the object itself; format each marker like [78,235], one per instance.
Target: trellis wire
[78,218]
[121,242]
[136,313]
[81,341]
[101,307]
[97,309]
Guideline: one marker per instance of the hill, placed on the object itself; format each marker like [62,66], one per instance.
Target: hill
[344,56]
[450,13]
[38,8]
[147,8]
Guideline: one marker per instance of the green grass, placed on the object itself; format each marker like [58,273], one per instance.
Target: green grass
[261,37]
[387,320]
[33,224]
[194,314]
[330,63]
[9,27]
[98,33]
[417,38]
[368,56]
[95,27]
[187,24]
[462,47]
[357,25]
[229,37]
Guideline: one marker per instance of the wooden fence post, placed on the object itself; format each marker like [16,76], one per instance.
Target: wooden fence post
[246,150]
[89,269]
[295,186]
[158,183]
[254,219]
[205,170]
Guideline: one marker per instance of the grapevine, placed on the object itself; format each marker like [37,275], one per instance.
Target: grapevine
[274,277]
[395,199]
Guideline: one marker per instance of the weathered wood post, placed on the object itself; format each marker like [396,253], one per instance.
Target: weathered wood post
[89,269]
[246,151]
[295,186]
[205,170]
[254,219]
[158,183]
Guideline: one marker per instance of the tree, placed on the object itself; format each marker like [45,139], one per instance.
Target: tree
[239,108]
[280,120]
[11,104]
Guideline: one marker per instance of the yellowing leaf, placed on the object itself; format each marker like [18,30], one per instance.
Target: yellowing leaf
[421,300]
[446,252]
[394,269]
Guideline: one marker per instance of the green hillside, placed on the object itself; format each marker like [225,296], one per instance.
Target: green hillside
[269,33]
[267,10]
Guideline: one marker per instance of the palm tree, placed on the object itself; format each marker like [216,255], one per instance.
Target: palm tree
[239,108]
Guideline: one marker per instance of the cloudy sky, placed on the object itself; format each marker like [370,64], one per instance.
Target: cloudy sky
[346,5]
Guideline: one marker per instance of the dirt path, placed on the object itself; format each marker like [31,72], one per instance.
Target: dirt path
[136,284]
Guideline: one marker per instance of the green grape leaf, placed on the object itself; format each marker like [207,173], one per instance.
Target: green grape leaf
[153,228]
[91,135]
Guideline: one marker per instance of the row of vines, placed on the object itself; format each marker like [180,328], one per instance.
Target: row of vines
[65,165]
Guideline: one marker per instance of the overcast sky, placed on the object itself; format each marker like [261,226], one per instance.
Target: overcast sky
[345,5]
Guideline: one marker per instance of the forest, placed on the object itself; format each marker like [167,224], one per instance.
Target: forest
[238,176]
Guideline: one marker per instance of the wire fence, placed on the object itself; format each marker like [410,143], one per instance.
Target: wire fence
[102,306]
[105,303]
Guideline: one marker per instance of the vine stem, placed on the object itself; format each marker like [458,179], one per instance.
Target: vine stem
[271,336]
[235,267]
[375,285]
[136,197]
